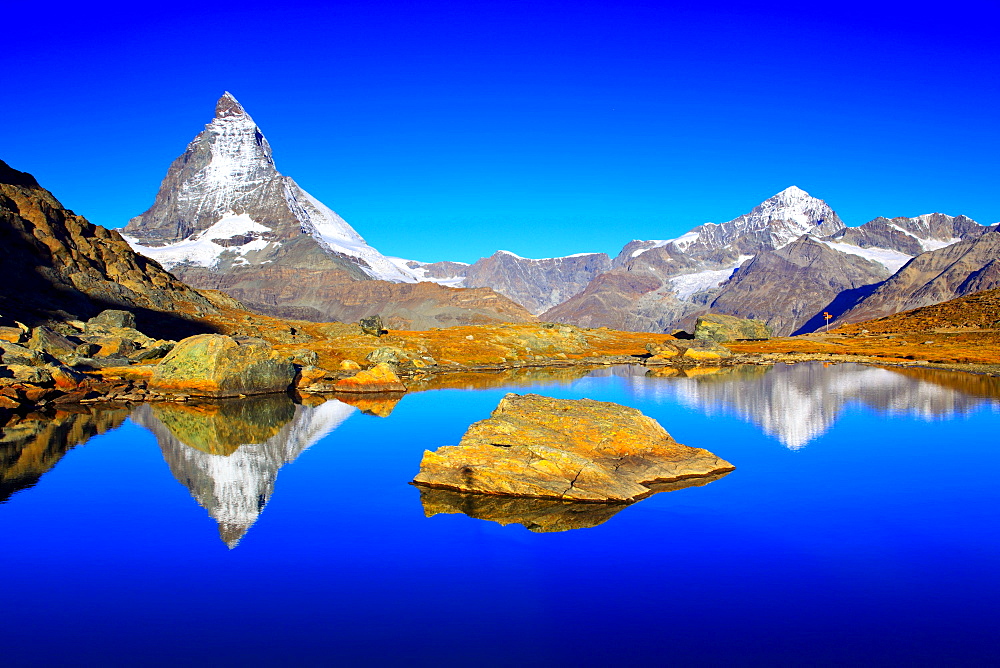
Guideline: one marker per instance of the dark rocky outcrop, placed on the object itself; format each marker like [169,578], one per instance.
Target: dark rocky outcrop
[581,450]
[372,325]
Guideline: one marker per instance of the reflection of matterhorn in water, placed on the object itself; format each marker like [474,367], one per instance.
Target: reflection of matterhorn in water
[228,453]
[798,403]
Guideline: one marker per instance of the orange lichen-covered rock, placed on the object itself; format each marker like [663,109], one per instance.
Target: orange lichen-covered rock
[575,450]
[214,365]
[379,378]
[309,376]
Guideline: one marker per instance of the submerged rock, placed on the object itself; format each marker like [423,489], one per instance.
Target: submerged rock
[214,365]
[576,450]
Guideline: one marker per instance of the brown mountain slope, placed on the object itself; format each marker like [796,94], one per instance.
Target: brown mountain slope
[976,311]
[321,295]
[963,331]
[789,288]
[936,276]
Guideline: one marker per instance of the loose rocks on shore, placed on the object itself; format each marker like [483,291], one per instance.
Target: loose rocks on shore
[582,450]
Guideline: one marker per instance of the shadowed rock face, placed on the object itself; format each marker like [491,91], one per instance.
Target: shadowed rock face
[228,453]
[538,515]
[582,450]
[59,265]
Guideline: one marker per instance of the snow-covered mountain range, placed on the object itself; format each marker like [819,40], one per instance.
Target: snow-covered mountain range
[225,218]
[783,262]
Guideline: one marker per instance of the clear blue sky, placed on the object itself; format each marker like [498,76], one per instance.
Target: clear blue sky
[449,130]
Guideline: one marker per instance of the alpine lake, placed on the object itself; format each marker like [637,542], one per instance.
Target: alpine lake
[860,528]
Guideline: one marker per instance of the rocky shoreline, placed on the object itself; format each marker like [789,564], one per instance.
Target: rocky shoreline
[105,360]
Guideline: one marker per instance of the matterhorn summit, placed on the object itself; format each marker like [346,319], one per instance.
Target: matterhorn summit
[226,219]
[223,203]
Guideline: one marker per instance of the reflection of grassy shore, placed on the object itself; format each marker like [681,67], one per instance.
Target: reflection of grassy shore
[34,443]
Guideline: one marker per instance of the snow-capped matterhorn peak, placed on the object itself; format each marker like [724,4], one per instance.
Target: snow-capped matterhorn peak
[224,204]
[229,106]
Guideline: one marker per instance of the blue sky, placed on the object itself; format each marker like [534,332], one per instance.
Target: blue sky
[450,130]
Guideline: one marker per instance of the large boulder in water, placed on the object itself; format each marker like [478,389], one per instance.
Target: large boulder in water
[214,365]
[574,450]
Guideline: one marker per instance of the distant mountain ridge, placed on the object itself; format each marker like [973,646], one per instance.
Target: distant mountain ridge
[785,262]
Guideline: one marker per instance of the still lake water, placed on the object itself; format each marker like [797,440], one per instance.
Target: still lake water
[859,528]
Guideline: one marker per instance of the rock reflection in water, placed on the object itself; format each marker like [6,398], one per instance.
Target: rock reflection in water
[31,445]
[228,453]
[798,403]
[379,404]
[538,515]
[482,380]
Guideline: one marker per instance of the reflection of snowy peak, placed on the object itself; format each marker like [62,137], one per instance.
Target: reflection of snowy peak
[235,487]
[223,203]
[798,403]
